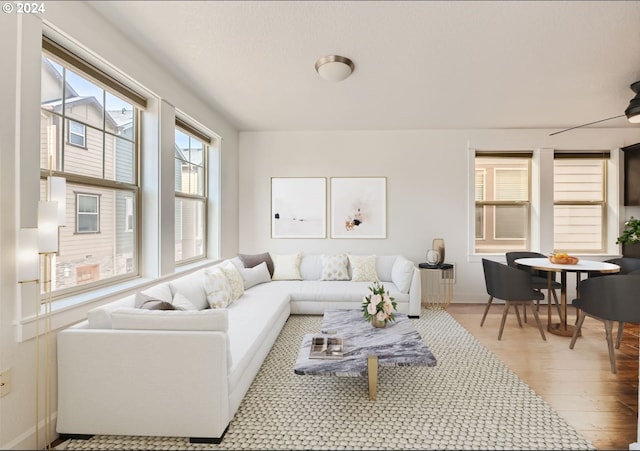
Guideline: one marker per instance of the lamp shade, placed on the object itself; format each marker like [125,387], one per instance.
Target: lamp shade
[334,67]
[47,226]
[633,110]
[28,260]
[58,193]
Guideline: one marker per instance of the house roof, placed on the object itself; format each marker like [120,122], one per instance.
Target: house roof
[418,64]
[114,119]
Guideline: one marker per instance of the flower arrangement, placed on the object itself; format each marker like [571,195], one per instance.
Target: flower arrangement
[379,305]
[631,232]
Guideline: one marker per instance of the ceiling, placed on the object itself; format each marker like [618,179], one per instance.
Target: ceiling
[418,64]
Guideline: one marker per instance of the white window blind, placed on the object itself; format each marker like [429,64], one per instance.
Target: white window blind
[511,184]
[579,189]
[502,194]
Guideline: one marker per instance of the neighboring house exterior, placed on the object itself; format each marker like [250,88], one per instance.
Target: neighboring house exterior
[98,238]
[189,179]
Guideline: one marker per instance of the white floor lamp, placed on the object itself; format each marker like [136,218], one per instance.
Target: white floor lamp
[34,243]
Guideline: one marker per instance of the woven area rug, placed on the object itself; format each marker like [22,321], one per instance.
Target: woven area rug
[470,400]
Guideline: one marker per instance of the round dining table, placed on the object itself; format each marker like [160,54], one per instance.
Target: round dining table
[583,266]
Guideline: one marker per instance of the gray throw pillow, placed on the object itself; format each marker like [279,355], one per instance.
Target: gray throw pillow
[251,260]
[155,304]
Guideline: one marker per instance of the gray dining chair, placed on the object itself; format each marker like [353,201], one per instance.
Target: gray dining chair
[539,278]
[514,287]
[608,299]
[628,266]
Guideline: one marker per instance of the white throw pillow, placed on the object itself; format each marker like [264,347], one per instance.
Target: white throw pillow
[335,267]
[286,267]
[384,266]
[311,267]
[161,292]
[363,268]
[217,288]
[181,302]
[235,279]
[256,275]
[401,274]
[191,286]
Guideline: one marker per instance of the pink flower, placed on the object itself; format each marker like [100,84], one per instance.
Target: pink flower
[379,304]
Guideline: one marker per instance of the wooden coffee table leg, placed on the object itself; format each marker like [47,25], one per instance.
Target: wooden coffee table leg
[372,374]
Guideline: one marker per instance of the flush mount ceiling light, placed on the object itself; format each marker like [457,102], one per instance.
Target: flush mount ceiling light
[334,67]
[633,110]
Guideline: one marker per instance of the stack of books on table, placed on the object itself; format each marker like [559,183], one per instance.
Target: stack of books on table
[325,346]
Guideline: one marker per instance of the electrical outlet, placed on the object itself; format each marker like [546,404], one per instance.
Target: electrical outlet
[5,382]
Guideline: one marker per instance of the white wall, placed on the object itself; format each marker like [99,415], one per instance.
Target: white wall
[20,37]
[427,185]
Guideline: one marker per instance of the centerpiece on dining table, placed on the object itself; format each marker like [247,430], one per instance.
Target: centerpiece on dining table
[378,307]
[562,258]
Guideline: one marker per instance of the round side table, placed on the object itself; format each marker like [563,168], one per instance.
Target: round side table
[437,285]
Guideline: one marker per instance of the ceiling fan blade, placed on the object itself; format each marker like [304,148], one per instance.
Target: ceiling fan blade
[584,125]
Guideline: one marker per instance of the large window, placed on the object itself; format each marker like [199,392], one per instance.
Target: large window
[579,196]
[567,211]
[503,201]
[89,135]
[191,187]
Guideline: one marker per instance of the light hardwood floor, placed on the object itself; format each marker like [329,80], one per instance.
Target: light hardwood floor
[577,382]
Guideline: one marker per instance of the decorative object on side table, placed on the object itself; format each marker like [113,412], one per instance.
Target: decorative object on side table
[438,245]
[433,257]
[378,307]
[630,238]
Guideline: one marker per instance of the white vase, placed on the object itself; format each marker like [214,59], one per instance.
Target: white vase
[433,257]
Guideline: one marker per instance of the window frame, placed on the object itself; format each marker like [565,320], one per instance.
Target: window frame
[542,193]
[154,226]
[110,87]
[194,133]
[486,204]
[603,156]
[78,196]
[71,133]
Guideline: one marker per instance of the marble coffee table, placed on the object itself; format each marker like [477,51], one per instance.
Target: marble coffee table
[365,347]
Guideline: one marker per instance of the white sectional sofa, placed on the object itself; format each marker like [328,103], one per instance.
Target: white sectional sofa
[127,370]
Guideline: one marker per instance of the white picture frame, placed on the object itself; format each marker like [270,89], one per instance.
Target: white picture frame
[298,207]
[358,207]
